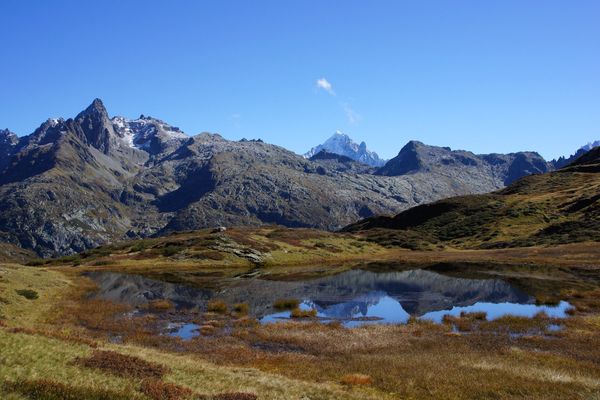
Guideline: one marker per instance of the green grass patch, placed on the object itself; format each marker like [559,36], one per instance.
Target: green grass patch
[29,294]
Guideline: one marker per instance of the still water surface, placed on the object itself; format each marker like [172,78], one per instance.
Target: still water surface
[354,297]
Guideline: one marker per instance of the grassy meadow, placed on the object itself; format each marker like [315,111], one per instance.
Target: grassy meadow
[59,343]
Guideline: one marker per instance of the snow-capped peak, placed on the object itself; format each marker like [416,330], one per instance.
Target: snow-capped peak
[340,143]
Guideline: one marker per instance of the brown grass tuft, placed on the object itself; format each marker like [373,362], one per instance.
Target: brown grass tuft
[159,305]
[235,396]
[123,365]
[477,315]
[159,390]
[299,313]
[217,306]
[356,379]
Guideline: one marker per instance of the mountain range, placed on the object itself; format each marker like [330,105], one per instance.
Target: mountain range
[564,161]
[559,207]
[77,183]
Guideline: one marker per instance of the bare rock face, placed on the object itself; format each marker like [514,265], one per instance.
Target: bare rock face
[78,183]
[501,169]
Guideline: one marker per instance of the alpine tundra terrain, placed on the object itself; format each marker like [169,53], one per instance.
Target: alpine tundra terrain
[77,183]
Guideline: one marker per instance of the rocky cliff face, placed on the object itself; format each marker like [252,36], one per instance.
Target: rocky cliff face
[78,183]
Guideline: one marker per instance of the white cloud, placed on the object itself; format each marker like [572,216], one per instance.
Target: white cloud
[353,116]
[325,85]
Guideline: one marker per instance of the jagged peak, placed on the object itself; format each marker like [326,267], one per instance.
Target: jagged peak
[97,108]
[341,143]
[7,132]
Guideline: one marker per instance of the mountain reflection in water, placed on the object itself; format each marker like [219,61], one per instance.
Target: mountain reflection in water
[355,296]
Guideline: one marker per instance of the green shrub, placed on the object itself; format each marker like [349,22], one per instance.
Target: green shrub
[28,294]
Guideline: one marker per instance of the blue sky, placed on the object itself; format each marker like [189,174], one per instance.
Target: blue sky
[486,76]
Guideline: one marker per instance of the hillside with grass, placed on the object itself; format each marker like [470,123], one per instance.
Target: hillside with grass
[547,209]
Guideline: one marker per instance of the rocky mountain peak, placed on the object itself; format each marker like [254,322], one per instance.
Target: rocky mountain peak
[340,143]
[407,160]
[96,110]
[8,137]
[95,126]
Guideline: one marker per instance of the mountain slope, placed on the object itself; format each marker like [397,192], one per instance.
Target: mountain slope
[557,207]
[342,144]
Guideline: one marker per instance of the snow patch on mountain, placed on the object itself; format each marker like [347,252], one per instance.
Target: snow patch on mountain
[143,133]
[342,144]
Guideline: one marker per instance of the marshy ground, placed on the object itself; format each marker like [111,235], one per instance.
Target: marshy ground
[59,341]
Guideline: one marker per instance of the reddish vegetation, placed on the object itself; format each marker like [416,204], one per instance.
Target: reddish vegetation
[235,396]
[356,379]
[123,365]
[159,390]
